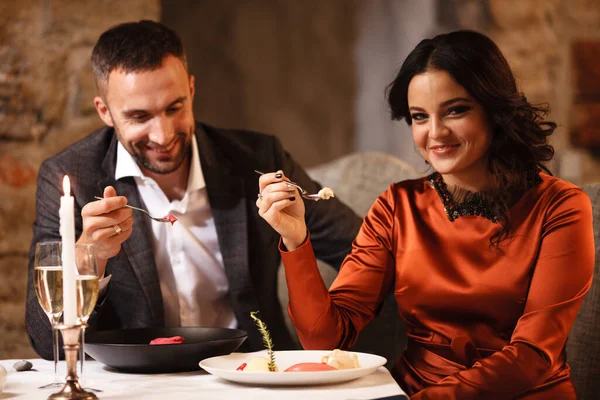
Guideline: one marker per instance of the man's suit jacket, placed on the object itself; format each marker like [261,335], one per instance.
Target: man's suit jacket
[248,244]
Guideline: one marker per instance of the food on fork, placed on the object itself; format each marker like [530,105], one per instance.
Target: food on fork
[168,340]
[310,367]
[341,359]
[171,218]
[168,218]
[325,193]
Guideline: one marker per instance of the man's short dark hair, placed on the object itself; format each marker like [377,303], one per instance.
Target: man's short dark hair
[134,47]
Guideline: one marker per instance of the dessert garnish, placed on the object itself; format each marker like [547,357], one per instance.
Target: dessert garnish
[262,328]
[336,360]
[168,340]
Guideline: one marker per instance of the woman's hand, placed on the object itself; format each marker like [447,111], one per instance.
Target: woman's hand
[282,207]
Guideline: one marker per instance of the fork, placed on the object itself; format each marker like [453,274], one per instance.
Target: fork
[303,193]
[164,219]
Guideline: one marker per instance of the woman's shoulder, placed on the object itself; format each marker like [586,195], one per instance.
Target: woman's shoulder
[556,192]
[405,191]
[405,188]
[416,185]
[552,185]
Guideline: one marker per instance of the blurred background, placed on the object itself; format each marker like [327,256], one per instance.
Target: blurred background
[311,72]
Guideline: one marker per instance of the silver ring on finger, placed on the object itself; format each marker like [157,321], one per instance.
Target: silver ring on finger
[117,229]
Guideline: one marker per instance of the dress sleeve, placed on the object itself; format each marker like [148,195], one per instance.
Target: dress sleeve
[327,319]
[563,274]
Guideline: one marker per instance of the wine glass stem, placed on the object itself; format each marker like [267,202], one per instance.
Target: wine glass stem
[82,354]
[55,350]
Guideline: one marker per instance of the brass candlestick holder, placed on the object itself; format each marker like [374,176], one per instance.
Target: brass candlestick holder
[72,388]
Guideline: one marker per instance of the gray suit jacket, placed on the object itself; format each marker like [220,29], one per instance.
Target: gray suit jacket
[248,244]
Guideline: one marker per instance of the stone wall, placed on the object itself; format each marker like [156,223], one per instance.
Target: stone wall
[46,92]
[538,38]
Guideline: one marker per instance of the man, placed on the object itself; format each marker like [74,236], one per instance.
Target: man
[219,261]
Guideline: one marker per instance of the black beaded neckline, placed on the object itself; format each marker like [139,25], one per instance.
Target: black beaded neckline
[474,203]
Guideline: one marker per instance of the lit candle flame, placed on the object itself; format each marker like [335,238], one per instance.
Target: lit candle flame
[66,186]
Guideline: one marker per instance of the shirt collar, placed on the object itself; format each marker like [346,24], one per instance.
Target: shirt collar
[196,179]
[127,166]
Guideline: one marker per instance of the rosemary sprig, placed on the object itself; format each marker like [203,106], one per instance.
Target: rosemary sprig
[266,336]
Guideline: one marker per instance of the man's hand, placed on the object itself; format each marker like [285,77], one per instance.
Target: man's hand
[106,224]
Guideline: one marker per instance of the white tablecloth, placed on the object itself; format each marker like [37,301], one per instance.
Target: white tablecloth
[187,385]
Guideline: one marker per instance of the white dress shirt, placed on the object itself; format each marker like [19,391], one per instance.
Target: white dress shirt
[188,258]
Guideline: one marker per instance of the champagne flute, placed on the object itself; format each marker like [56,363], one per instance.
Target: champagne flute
[48,284]
[86,284]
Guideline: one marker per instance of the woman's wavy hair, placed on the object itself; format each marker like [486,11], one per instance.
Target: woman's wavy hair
[520,134]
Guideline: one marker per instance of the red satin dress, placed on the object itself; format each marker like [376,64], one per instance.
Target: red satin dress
[482,322]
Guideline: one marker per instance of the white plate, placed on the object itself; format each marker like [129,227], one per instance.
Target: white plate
[225,367]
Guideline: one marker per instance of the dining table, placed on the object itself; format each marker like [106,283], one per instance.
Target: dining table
[189,385]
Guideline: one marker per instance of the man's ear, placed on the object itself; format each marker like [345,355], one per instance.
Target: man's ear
[192,85]
[103,111]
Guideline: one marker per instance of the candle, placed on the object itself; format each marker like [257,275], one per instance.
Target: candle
[67,233]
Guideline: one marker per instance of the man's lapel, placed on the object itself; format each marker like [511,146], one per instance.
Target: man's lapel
[138,248]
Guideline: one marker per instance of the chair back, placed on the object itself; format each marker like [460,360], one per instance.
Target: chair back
[583,345]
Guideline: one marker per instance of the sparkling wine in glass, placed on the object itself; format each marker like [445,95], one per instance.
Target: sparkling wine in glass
[48,284]
[48,289]
[87,295]
[86,288]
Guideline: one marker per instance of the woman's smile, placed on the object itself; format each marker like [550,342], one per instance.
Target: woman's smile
[444,149]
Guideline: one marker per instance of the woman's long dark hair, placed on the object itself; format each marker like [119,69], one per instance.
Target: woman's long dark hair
[520,134]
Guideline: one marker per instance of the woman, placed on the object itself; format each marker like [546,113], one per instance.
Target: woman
[489,257]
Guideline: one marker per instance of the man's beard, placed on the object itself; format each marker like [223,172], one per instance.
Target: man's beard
[157,167]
